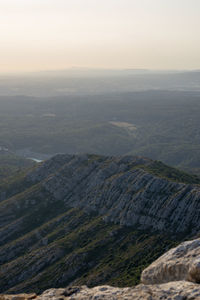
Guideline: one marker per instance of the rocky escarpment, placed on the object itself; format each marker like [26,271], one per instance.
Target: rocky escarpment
[122,191]
[91,220]
[177,289]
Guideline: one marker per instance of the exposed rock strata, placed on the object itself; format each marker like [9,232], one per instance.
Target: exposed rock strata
[61,226]
[121,191]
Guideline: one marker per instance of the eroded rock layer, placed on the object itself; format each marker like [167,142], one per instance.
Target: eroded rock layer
[91,220]
[122,190]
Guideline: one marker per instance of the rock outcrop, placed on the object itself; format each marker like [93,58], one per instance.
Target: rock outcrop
[179,290]
[180,263]
[18,297]
[121,190]
[167,268]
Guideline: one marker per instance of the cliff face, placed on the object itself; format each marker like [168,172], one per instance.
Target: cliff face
[121,191]
[91,220]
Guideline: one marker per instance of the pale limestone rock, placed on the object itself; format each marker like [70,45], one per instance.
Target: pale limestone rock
[116,187]
[194,271]
[180,290]
[18,297]
[180,263]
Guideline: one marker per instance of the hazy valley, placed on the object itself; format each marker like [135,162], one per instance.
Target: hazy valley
[165,122]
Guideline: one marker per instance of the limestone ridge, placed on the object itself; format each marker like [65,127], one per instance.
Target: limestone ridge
[121,191]
[91,220]
[181,279]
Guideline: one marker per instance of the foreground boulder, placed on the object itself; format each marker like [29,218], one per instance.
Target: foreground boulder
[180,263]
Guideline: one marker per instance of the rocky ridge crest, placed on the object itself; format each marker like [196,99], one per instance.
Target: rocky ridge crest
[120,190]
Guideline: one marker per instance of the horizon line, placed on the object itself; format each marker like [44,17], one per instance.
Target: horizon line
[93,69]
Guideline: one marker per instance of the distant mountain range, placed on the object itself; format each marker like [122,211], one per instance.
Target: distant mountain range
[91,219]
[78,82]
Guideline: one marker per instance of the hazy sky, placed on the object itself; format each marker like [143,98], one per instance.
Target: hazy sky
[57,34]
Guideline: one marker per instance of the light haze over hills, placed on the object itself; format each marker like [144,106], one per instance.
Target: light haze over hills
[99,106]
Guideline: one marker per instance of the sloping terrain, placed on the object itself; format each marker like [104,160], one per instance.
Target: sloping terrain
[173,276]
[162,125]
[11,164]
[88,219]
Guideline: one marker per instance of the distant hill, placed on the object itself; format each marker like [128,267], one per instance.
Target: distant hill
[11,164]
[91,219]
[162,125]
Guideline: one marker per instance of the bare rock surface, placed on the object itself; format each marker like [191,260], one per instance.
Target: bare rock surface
[119,188]
[179,290]
[180,263]
[18,297]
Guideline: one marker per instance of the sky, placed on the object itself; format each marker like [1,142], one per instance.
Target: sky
[137,34]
